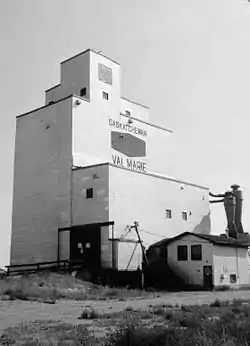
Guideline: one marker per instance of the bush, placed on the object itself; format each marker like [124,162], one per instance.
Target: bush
[189,320]
[216,303]
[129,308]
[88,314]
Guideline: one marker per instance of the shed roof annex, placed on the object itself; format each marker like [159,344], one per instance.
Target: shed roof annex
[242,241]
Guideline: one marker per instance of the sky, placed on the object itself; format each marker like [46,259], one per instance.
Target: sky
[188,60]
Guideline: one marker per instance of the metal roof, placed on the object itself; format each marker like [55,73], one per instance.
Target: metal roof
[242,241]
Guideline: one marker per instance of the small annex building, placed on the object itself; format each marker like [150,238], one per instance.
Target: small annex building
[205,260]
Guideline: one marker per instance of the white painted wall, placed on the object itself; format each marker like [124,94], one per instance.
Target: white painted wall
[91,128]
[96,209]
[124,197]
[230,260]
[225,260]
[90,134]
[160,151]
[80,135]
[190,271]
[92,139]
[75,74]
[97,86]
[144,198]
[137,111]
[41,200]
[54,94]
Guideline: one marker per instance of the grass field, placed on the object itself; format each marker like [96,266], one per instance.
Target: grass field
[49,287]
[219,323]
[81,313]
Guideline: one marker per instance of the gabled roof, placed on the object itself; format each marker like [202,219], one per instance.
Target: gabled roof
[242,241]
[164,241]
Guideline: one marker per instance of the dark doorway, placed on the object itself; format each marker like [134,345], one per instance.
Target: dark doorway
[85,244]
[208,277]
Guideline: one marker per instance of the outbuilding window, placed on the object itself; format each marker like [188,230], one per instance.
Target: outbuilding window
[196,252]
[182,252]
[168,214]
[89,193]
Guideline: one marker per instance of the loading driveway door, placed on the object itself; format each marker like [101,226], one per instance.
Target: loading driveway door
[85,244]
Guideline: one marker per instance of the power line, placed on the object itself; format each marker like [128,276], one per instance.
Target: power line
[160,236]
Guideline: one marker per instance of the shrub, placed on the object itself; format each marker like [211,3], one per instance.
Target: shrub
[168,315]
[189,320]
[88,314]
[129,308]
[167,306]
[216,303]
[159,311]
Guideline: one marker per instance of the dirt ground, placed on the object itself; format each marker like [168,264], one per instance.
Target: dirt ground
[14,312]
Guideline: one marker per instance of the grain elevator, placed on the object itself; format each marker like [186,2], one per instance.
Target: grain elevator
[88,164]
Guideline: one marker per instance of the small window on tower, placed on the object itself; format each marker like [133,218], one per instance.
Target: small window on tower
[105,95]
[89,193]
[168,214]
[83,92]
[128,113]
[184,216]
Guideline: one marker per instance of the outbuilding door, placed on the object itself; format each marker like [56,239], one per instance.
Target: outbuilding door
[208,277]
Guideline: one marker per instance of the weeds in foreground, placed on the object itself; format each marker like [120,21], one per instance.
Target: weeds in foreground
[88,314]
[41,333]
[48,287]
[216,303]
[190,325]
[200,325]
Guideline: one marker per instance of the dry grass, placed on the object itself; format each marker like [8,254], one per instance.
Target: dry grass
[219,323]
[227,323]
[49,287]
[47,333]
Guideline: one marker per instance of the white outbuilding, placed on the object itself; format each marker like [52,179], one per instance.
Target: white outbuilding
[205,260]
